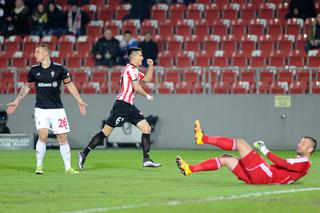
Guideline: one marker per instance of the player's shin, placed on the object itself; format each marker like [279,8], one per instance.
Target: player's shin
[221,142]
[66,155]
[208,165]
[95,140]
[40,152]
[145,142]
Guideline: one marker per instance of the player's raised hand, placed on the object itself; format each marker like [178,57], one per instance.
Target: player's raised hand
[150,62]
[260,146]
[83,108]
[12,107]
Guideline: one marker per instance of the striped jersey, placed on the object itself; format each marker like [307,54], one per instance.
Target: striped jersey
[129,74]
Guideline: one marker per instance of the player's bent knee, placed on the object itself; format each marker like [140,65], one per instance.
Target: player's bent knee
[62,138]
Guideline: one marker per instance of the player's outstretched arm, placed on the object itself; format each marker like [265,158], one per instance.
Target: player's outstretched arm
[280,162]
[74,92]
[149,74]
[14,104]
[137,87]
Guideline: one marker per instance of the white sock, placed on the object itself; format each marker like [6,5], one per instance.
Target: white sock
[66,155]
[40,152]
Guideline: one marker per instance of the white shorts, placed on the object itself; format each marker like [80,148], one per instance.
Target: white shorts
[53,119]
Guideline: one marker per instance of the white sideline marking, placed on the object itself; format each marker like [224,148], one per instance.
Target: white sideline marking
[202,200]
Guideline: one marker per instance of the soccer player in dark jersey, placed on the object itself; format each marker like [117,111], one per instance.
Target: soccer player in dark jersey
[123,109]
[251,167]
[49,112]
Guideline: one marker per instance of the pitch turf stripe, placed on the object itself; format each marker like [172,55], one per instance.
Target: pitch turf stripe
[203,200]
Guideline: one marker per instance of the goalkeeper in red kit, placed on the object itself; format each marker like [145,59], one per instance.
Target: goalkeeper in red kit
[251,167]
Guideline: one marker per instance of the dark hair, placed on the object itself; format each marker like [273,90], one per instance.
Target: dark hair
[127,32]
[314,141]
[133,49]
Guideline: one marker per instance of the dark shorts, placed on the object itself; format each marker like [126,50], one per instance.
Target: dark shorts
[124,112]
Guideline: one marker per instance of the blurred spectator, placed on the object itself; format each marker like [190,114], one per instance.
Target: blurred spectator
[149,49]
[140,9]
[32,4]
[301,9]
[82,2]
[125,44]
[18,19]
[77,20]
[186,2]
[106,50]
[4,129]
[313,41]
[56,20]
[3,10]
[39,20]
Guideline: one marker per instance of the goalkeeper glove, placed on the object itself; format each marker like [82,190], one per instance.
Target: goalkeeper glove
[259,145]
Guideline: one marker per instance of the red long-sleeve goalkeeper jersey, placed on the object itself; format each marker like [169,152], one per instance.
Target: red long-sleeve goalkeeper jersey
[286,171]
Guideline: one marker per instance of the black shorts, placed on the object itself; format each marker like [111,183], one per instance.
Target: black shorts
[124,112]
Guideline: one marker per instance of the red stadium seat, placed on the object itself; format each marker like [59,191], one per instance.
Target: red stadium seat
[294,26]
[256,27]
[183,88]
[165,59]
[238,27]
[220,62]
[219,28]
[19,62]
[191,77]
[248,76]
[277,88]
[201,28]
[176,12]
[210,45]
[113,25]
[90,10]
[172,76]
[221,88]
[297,87]
[131,25]
[106,13]
[165,28]
[148,26]
[99,76]
[211,13]
[265,12]
[4,62]
[165,88]
[229,12]
[247,13]
[174,45]
[228,77]
[192,43]
[202,60]
[195,11]
[183,28]
[121,11]
[159,12]
[66,45]
[94,28]
[183,60]
[267,77]
[285,76]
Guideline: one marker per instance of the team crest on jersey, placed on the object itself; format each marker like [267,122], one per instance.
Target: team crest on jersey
[38,74]
[54,84]
[52,74]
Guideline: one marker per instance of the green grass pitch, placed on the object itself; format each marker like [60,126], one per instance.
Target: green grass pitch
[115,181]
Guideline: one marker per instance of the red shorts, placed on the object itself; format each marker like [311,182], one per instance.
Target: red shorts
[253,169]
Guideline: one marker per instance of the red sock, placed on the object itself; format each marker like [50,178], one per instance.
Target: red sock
[221,142]
[208,165]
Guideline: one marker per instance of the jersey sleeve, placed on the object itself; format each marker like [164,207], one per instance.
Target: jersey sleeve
[135,75]
[64,73]
[286,164]
[30,77]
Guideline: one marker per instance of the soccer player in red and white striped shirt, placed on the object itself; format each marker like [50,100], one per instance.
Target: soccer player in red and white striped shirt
[251,167]
[123,109]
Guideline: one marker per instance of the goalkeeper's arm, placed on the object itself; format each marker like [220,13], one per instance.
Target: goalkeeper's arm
[278,161]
